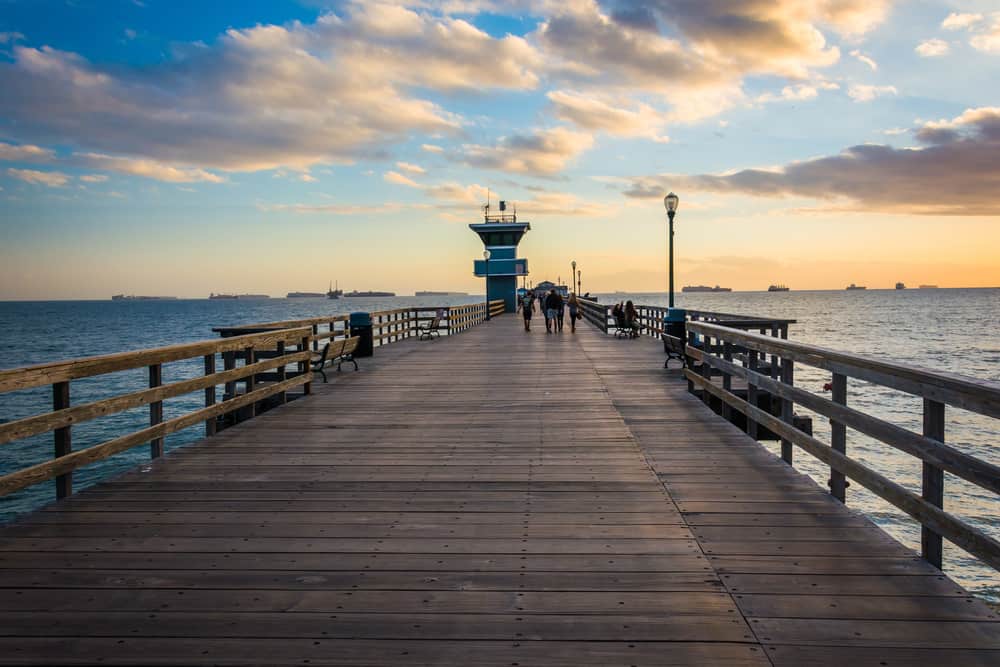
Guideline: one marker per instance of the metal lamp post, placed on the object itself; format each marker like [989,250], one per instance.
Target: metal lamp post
[671,202]
[578,281]
[572,275]
[486,256]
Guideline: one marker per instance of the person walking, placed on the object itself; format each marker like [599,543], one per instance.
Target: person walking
[527,308]
[552,302]
[574,309]
[560,310]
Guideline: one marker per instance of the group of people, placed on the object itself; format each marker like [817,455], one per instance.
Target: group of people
[553,307]
[626,317]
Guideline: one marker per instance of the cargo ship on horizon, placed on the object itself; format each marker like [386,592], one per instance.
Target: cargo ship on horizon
[356,294]
[705,288]
[778,288]
[136,297]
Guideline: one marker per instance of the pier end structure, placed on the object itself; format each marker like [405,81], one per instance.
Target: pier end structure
[500,233]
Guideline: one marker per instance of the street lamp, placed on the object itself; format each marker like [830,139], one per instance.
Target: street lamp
[671,202]
[578,282]
[572,275]
[486,256]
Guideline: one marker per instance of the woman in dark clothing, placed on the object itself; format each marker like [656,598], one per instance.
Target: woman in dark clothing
[632,318]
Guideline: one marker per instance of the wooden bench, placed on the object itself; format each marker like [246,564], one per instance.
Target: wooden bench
[428,331]
[335,352]
[675,349]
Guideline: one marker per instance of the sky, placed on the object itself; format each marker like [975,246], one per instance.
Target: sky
[181,148]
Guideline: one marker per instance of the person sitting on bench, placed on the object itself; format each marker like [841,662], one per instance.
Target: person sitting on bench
[632,319]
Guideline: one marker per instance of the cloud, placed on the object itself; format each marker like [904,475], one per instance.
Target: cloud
[148,168]
[431,148]
[590,113]
[25,153]
[53,179]
[955,173]
[410,168]
[989,40]
[957,21]
[457,197]
[542,153]
[10,37]
[932,48]
[797,93]
[865,59]
[94,178]
[398,179]
[342,88]
[720,40]
[866,93]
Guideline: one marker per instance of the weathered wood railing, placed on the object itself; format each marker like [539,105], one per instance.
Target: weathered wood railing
[265,349]
[60,421]
[651,319]
[388,326]
[732,353]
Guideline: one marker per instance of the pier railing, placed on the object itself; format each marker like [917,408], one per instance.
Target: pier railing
[651,319]
[388,326]
[284,347]
[261,363]
[731,353]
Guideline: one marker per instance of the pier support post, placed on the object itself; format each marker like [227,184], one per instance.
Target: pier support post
[931,547]
[788,378]
[62,439]
[752,365]
[838,438]
[155,410]
[210,423]
[727,380]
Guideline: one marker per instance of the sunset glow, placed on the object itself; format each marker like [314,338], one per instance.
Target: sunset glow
[170,148]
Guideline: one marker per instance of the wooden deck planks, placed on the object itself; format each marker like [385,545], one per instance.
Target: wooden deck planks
[493,498]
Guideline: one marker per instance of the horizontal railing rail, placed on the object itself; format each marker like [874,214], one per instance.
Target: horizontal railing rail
[651,319]
[65,416]
[728,352]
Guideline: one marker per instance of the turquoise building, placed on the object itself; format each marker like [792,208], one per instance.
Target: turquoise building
[500,234]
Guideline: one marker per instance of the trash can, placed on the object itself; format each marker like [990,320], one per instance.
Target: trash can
[673,323]
[361,326]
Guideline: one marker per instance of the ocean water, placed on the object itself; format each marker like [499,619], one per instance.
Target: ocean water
[950,330]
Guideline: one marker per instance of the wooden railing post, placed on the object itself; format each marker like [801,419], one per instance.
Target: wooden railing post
[62,438]
[155,410]
[283,396]
[305,367]
[210,423]
[251,380]
[931,547]
[788,378]
[315,329]
[727,380]
[692,337]
[752,364]
[706,369]
[838,438]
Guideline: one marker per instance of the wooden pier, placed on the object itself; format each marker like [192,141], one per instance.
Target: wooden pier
[593,512]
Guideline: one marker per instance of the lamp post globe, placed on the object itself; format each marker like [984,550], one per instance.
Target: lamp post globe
[572,275]
[670,203]
[486,258]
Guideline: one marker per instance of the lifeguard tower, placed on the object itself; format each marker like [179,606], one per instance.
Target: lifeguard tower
[500,233]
